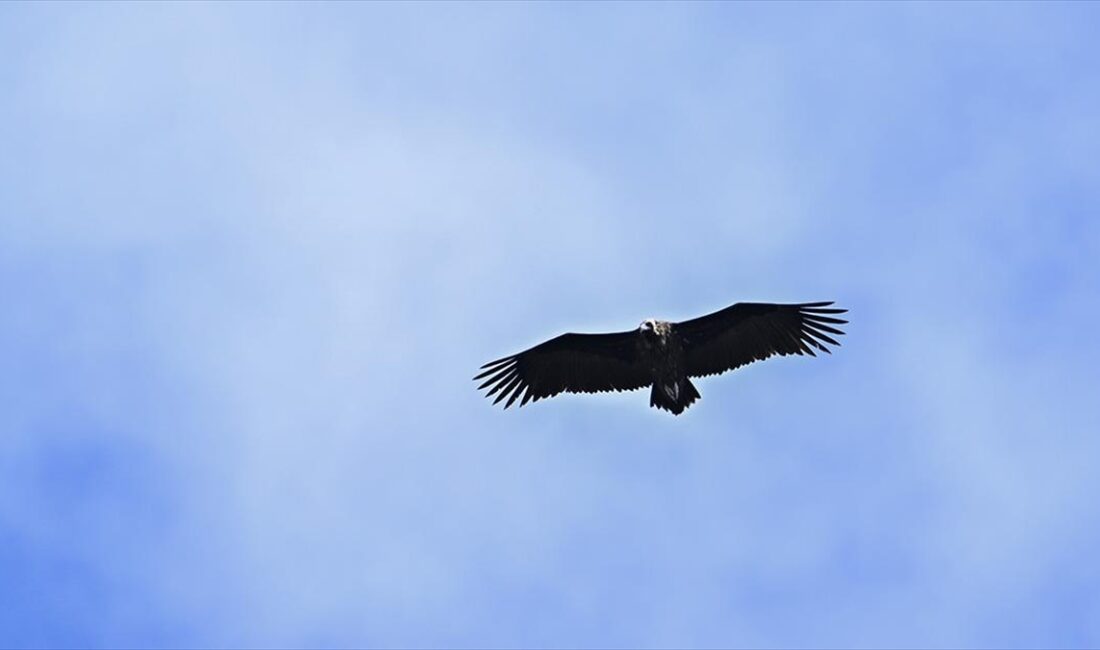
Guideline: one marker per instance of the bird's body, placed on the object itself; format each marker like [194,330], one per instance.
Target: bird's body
[662,354]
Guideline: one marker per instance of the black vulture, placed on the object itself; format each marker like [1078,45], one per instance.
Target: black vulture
[663,355]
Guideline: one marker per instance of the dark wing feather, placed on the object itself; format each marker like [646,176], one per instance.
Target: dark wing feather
[747,332]
[574,363]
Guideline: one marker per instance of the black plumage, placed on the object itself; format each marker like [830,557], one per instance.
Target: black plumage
[663,355]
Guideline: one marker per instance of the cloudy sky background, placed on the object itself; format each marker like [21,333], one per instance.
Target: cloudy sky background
[251,255]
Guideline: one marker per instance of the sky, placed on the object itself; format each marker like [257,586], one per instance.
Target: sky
[252,254]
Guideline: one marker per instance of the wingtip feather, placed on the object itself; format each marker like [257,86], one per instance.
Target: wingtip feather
[497,361]
[507,389]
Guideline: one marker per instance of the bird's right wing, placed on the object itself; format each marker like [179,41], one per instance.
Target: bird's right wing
[747,332]
[574,363]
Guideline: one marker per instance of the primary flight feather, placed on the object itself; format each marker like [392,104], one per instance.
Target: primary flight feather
[663,355]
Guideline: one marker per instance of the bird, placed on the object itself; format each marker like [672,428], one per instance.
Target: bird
[663,355]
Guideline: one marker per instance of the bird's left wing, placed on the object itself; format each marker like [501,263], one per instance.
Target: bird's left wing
[747,332]
[574,363]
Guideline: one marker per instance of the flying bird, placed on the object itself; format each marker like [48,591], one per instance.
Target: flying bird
[663,355]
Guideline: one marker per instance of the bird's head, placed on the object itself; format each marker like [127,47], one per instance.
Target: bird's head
[648,327]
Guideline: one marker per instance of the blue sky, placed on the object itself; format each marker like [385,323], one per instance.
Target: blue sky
[252,254]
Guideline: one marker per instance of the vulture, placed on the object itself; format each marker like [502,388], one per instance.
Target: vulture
[663,355]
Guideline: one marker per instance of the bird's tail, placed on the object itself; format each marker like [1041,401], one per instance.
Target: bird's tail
[673,396]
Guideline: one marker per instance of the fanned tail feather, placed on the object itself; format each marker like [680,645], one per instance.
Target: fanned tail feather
[673,398]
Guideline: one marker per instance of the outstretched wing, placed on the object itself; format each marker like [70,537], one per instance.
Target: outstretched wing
[575,363]
[747,332]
